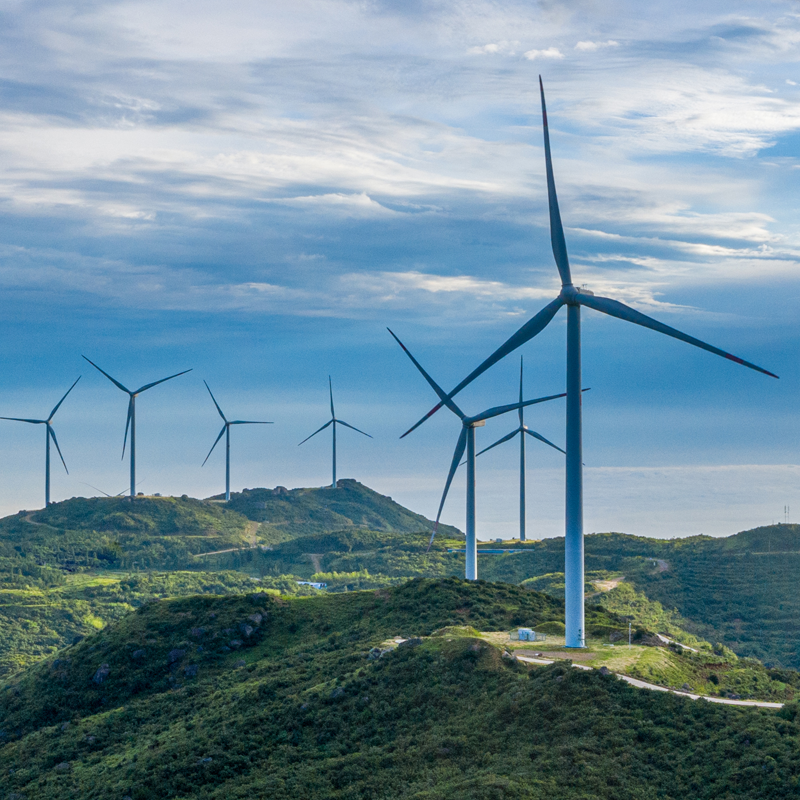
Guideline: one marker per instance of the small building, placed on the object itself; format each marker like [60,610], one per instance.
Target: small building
[530,635]
[313,584]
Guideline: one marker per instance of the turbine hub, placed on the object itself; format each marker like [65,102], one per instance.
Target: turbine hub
[569,294]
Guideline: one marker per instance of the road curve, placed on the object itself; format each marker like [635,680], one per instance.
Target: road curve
[654,687]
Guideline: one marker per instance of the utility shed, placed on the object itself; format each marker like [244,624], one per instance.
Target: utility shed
[530,635]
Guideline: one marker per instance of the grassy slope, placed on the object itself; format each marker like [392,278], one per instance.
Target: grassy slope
[287,513]
[152,533]
[309,715]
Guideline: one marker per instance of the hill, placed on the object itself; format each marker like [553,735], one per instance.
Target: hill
[253,696]
[113,533]
[289,513]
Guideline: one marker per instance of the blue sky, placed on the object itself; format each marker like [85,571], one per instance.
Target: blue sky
[257,190]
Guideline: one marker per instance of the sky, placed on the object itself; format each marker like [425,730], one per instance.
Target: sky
[257,190]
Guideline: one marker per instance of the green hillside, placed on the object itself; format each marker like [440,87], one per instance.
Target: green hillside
[113,533]
[253,696]
[288,513]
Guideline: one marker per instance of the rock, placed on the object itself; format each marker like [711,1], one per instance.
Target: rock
[206,760]
[65,726]
[246,630]
[197,632]
[377,652]
[190,670]
[212,615]
[16,796]
[101,674]
[559,678]
[90,739]
[413,642]
[474,648]
[605,671]
[235,644]
[64,766]
[175,655]
[240,663]
[686,688]
[255,618]
[138,655]
[337,693]
[227,631]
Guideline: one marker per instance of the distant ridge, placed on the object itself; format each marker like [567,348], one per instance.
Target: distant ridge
[288,513]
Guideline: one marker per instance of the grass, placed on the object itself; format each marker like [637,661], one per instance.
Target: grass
[302,709]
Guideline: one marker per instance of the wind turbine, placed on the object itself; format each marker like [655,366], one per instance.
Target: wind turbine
[333,421]
[131,421]
[521,430]
[466,441]
[573,298]
[49,434]
[226,429]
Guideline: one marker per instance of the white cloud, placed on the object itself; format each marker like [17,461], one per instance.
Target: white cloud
[551,52]
[590,47]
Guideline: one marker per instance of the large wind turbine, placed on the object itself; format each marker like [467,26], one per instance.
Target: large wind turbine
[226,429]
[466,441]
[520,431]
[333,421]
[131,421]
[49,434]
[573,298]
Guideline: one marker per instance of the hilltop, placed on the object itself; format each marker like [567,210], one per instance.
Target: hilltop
[289,513]
[256,696]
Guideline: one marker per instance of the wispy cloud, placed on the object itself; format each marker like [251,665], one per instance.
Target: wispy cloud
[549,53]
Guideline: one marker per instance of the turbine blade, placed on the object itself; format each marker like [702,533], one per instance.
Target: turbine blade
[531,328]
[330,388]
[319,430]
[115,382]
[616,309]
[461,445]
[445,399]
[127,425]
[498,410]
[215,444]
[163,380]
[55,442]
[215,402]
[499,441]
[32,421]
[542,439]
[556,228]
[95,488]
[250,422]
[348,425]
[58,404]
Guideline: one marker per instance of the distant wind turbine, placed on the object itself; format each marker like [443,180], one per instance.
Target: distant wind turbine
[333,421]
[131,421]
[49,434]
[226,429]
[573,298]
[520,431]
[466,441]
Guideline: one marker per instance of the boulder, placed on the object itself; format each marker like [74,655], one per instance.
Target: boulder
[190,670]
[413,642]
[138,655]
[235,644]
[255,618]
[605,671]
[102,673]
[175,655]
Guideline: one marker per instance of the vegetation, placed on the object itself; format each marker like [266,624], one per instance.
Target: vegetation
[252,696]
[287,513]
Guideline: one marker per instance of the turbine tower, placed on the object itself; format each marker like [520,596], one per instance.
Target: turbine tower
[466,441]
[521,430]
[226,429]
[333,421]
[131,421]
[49,434]
[573,298]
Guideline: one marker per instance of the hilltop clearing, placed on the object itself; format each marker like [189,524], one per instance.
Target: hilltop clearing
[288,513]
[253,696]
